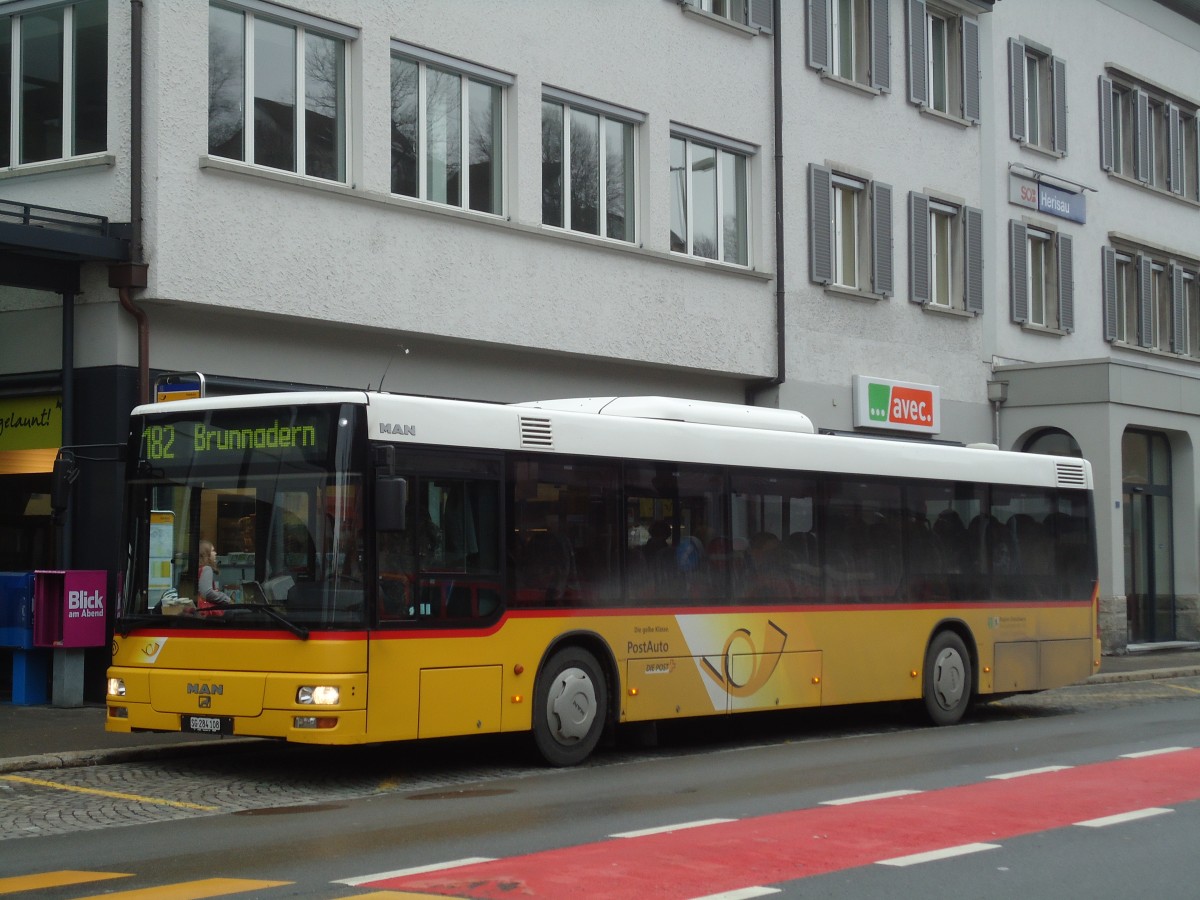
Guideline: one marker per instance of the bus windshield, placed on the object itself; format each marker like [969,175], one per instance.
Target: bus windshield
[247,518]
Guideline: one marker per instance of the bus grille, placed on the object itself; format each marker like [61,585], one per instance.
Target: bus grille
[535,432]
[1071,475]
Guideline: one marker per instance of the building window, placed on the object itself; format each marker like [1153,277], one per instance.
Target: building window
[447,118]
[850,39]
[943,60]
[1150,138]
[1037,97]
[753,13]
[589,166]
[1120,297]
[1149,302]
[54,82]
[710,199]
[261,66]
[1189,290]
[1041,277]
[850,231]
[945,254]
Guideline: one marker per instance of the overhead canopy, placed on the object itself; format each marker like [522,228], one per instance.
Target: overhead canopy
[42,247]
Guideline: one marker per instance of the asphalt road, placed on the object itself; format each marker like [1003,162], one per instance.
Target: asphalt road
[769,794]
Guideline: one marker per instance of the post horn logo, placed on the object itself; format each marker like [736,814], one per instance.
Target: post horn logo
[727,672]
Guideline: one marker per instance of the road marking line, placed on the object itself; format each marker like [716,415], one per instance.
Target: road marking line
[1144,753]
[935,855]
[866,798]
[400,895]
[64,878]
[1180,687]
[667,829]
[415,870]
[740,894]
[1121,818]
[192,890]
[38,782]
[1005,776]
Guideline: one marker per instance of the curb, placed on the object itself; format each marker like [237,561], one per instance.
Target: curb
[74,759]
[1143,675]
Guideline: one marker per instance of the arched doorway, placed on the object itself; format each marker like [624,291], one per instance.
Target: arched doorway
[1149,539]
[1053,442]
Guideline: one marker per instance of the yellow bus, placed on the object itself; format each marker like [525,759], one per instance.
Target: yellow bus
[352,567]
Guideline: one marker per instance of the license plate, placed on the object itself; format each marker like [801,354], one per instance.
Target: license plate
[208,724]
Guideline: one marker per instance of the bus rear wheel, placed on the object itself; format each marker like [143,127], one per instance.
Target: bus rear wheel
[947,685]
[570,707]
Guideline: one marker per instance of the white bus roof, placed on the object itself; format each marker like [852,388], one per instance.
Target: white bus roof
[664,428]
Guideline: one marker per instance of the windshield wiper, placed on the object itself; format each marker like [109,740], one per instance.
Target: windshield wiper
[298,630]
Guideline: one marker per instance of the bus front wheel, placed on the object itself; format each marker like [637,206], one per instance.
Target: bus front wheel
[570,707]
[947,686]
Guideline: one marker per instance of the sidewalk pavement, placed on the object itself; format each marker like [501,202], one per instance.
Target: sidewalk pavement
[48,737]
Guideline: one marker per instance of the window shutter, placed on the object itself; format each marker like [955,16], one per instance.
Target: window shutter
[1066,282]
[1106,124]
[1108,268]
[1174,149]
[818,34]
[1016,89]
[1145,313]
[918,247]
[1141,134]
[762,16]
[970,68]
[1058,78]
[820,224]
[882,276]
[1178,338]
[1018,271]
[881,45]
[973,260]
[918,87]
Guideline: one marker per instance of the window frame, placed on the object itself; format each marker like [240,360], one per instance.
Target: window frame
[1149,135]
[960,61]
[1037,97]
[606,114]
[683,193]
[869,42]
[498,84]
[1041,299]
[68,107]
[254,12]
[870,232]
[960,255]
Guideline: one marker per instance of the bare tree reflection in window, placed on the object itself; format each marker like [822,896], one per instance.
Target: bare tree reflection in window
[585,172]
[324,105]
[618,180]
[552,164]
[404,126]
[484,117]
[443,124]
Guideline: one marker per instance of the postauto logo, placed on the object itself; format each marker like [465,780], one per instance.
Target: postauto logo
[896,405]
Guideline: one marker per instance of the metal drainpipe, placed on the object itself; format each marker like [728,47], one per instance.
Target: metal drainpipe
[135,194]
[756,388]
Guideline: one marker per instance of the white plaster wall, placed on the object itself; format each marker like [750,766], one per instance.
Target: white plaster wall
[357,257]
[1143,38]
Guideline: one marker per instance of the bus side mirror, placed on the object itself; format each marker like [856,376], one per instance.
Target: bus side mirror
[391,500]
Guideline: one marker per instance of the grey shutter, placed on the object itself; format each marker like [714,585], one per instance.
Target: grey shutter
[820,224]
[1145,276]
[1174,149]
[973,259]
[882,274]
[1106,124]
[1141,134]
[1195,173]
[970,68]
[1178,338]
[1016,90]
[1058,84]
[881,45]
[1018,271]
[1066,282]
[918,247]
[762,15]
[818,34]
[918,75]
[1108,268]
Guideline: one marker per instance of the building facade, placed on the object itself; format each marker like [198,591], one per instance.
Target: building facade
[732,200]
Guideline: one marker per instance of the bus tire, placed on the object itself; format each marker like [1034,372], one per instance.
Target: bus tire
[570,707]
[947,685]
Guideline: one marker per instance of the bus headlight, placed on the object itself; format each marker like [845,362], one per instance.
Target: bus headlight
[116,687]
[318,695]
